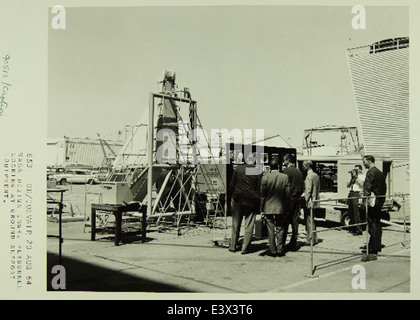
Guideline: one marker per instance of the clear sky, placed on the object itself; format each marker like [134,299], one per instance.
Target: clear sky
[280,68]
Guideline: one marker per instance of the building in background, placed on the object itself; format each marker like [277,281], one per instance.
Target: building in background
[380,78]
[81,152]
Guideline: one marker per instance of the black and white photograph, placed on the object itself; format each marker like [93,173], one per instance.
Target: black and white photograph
[328,86]
[230,149]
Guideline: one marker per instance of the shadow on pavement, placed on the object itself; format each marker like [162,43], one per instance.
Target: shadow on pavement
[83,276]
[255,247]
[328,224]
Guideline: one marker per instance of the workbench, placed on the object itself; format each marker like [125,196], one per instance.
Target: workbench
[118,210]
[59,202]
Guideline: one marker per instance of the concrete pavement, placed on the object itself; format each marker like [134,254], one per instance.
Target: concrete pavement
[191,263]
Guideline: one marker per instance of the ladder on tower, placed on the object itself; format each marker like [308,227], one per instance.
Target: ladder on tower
[214,209]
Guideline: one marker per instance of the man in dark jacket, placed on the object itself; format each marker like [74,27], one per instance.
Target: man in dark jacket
[245,189]
[374,185]
[296,189]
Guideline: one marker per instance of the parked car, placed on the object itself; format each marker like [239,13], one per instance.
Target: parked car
[50,173]
[101,174]
[75,176]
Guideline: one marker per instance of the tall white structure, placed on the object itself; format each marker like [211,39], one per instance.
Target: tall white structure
[380,78]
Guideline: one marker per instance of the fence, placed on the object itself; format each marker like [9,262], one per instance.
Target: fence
[365,199]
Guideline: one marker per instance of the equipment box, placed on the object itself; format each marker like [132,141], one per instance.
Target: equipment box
[261,229]
[320,213]
[116,192]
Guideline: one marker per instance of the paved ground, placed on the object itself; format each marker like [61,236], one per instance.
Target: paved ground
[191,263]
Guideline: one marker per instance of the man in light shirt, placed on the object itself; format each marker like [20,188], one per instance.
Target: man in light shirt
[356,187]
[312,187]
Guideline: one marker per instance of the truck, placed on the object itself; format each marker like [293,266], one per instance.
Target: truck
[334,174]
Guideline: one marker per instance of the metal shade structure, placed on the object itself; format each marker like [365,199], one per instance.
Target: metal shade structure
[380,78]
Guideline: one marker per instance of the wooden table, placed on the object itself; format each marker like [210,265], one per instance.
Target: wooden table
[118,210]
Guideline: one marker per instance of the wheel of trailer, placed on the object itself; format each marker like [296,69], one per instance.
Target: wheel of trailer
[63,181]
[345,218]
[90,181]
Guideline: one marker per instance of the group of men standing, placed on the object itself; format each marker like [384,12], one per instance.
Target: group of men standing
[277,196]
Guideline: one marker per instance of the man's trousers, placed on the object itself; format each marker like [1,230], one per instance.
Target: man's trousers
[246,210]
[277,232]
[354,213]
[293,215]
[375,229]
[310,226]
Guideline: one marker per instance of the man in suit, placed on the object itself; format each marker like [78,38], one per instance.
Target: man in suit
[296,188]
[245,190]
[274,197]
[374,185]
[312,187]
